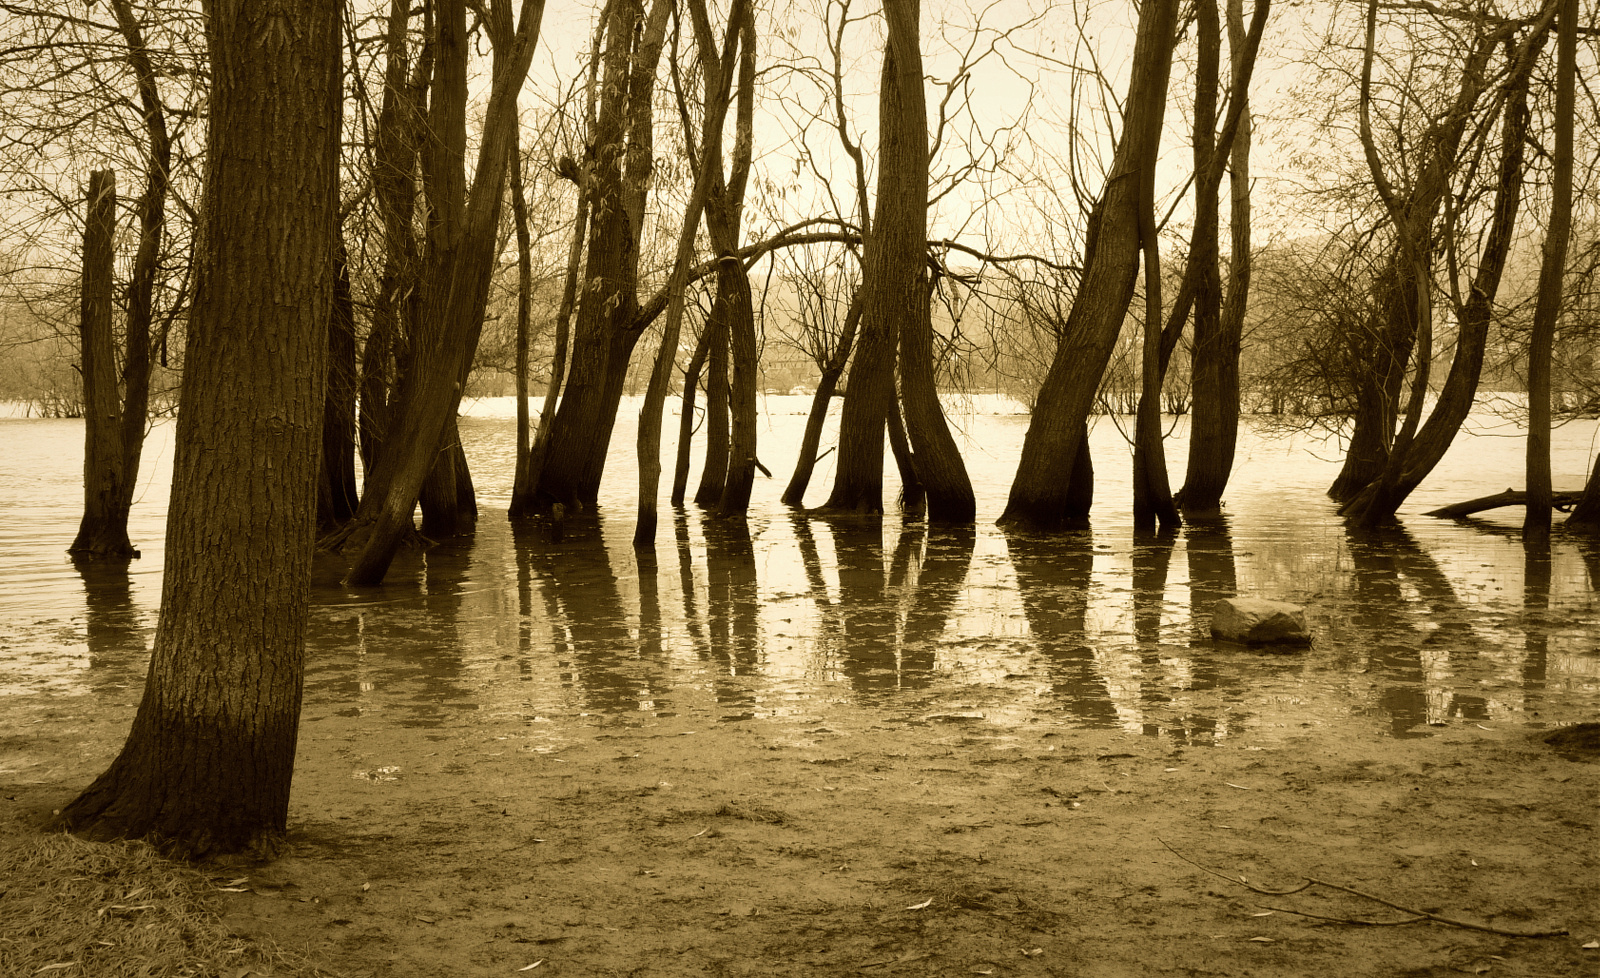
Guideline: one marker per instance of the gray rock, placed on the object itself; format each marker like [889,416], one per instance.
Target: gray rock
[1257,621]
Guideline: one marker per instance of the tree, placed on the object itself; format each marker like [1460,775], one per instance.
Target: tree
[1536,520]
[1041,494]
[462,239]
[207,765]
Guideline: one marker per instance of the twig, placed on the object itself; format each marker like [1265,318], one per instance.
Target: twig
[1417,915]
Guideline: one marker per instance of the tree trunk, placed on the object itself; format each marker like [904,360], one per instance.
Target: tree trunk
[521,485]
[741,474]
[619,163]
[337,497]
[1474,317]
[1041,491]
[896,279]
[714,467]
[100,533]
[1547,309]
[456,283]
[1585,516]
[1219,323]
[649,439]
[794,494]
[223,694]
[691,380]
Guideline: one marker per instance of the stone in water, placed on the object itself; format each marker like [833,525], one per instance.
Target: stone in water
[1257,621]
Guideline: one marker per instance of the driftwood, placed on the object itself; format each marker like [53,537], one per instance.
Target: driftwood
[1563,501]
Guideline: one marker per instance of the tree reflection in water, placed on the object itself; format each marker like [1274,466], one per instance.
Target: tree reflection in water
[596,652]
[1389,568]
[1054,574]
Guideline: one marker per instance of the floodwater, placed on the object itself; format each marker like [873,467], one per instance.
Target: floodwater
[855,624]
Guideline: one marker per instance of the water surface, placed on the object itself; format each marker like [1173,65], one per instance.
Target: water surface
[852,624]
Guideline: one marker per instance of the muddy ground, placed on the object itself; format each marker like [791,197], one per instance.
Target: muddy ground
[937,845]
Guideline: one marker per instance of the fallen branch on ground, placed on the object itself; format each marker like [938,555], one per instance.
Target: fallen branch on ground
[1417,916]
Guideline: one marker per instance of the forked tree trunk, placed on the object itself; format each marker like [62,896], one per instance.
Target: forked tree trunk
[899,291]
[1218,324]
[100,533]
[1041,494]
[207,765]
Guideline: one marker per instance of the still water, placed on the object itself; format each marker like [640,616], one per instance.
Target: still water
[856,624]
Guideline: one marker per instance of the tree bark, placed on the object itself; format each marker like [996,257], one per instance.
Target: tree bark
[896,279]
[1041,491]
[207,765]
[691,380]
[100,533]
[649,438]
[521,483]
[1219,322]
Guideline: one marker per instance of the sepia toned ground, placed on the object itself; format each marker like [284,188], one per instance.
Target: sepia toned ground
[940,845]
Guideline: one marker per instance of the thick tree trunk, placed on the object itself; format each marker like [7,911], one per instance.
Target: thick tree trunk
[101,534]
[794,494]
[1041,491]
[1585,516]
[899,291]
[208,762]
[741,474]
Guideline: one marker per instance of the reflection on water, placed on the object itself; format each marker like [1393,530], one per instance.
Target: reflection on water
[852,623]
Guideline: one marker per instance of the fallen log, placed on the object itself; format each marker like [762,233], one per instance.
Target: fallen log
[1563,501]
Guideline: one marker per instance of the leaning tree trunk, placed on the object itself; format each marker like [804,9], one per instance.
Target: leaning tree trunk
[1042,489]
[1585,517]
[794,494]
[100,533]
[208,762]
[899,291]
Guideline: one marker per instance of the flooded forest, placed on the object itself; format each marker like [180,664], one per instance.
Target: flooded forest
[677,487]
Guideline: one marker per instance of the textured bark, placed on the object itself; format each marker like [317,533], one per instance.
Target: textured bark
[101,534]
[1041,491]
[794,494]
[208,762]
[714,466]
[104,534]
[459,263]
[394,314]
[618,166]
[896,279]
